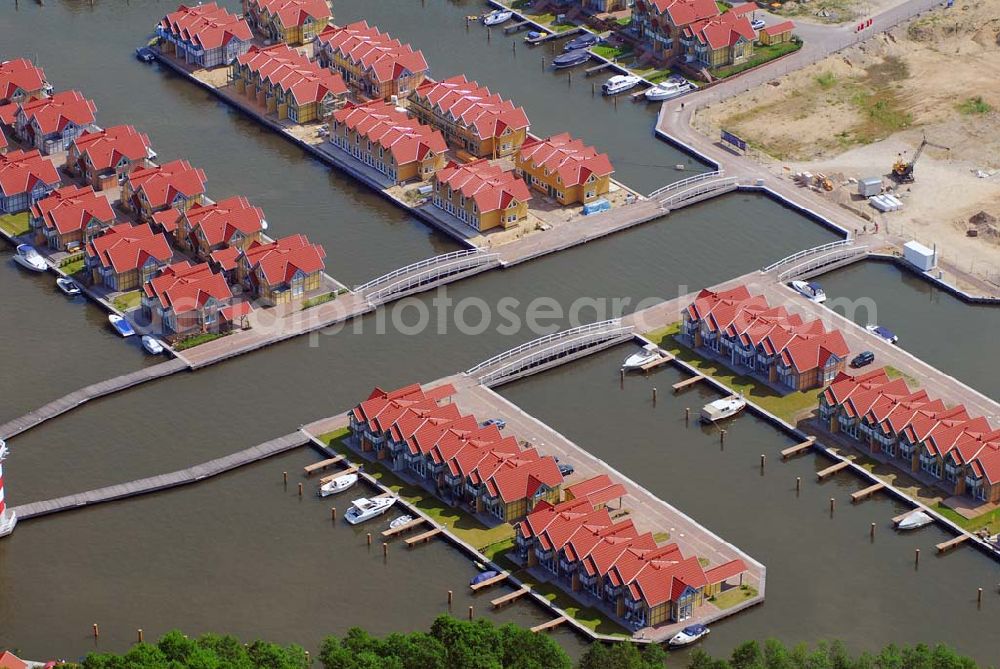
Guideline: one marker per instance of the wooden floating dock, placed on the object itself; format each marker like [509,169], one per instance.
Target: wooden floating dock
[509,597]
[862,495]
[662,360]
[421,538]
[798,448]
[549,625]
[898,519]
[393,531]
[681,385]
[639,96]
[596,68]
[499,578]
[832,469]
[517,27]
[946,546]
[320,466]
[333,477]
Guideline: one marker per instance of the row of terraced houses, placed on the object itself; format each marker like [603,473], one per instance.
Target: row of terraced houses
[567,531]
[776,346]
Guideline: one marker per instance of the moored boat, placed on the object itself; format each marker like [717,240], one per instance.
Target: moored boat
[620,83]
[339,484]
[497,17]
[883,333]
[68,286]
[152,345]
[666,90]
[484,576]
[367,508]
[810,289]
[29,258]
[915,520]
[722,409]
[399,522]
[121,325]
[571,59]
[648,353]
[584,41]
[688,635]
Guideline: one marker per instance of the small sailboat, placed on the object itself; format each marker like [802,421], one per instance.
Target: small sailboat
[121,325]
[152,345]
[688,635]
[722,409]
[339,484]
[68,286]
[28,258]
[883,333]
[915,521]
[366,508]
[402,520]
[666,90]
[497,17]
[648,353]
[571,59]
[620,83]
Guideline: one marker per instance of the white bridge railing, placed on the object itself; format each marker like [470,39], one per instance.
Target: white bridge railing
[429,272]
[549,347]
[807,252]
[697,190]
[429,262]
[823,260]
[684,183]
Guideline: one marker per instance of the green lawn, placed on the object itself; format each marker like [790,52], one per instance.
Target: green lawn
[894,373]
[319,299]
[195,340]
[73,266]
[585,615]
[611,52]
[127,301]
[15,224]
[788,407]
[761,54]
[989,520]
[734,596]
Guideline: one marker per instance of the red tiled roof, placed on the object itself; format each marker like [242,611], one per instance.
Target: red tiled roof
[20,171]
[571,159]
[55,113]
[708,300]
[407,139]
[223,221]
[281,259]
[489,185]
[473,106]
[185,287]
[724,571]
[598,490]
[721,31]
[386,58]
[286,68]
[71,208]
[127,247]
[778,28]
[163,183]
[226,257]
[295,12]
[106,148]
[208,26]
[520,479]
[237,310]
[683,12]
[10,661]
[3,139]
[20,73]
[808,352]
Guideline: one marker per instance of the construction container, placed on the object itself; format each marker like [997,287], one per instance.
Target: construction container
[918,255]
[870,186]
[596,207]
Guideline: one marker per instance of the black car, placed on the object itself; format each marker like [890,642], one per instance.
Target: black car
[566,469]
[862,359]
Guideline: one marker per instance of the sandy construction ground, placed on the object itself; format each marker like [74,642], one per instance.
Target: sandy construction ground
[852,115]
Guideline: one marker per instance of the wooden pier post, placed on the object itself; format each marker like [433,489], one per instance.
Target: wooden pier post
[513,48]
[471,612]
[622,377]
[916,558]
[543,63]
[139,634]
[569,78]
[763,459]
[593,92]
[616,102]
[385,549]
[451,596]
[489,33]
[687,416]
[466,24]
[300,490]
[873,532]
[833,501]
[654,396]
[979,597]
[722,437]
[798,484]
[97,631]
[369,538]
[333,513]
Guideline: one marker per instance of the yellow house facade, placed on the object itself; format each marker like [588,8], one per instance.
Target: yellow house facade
[565,169]
[481,195]
[293,22]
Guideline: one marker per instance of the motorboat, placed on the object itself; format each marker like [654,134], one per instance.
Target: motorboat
[68,286]
[571,59]
[649,353]
[366,508]
[29,258]
[666,90]
[484,576]
[722,409]
[152,345]
[915,521]
[688,636]
[339,484]
[882,333]
[810,289]
[533,34]
[121,325]
[399,522]
[497,17]
[145,54]
[584,41]
[620,83]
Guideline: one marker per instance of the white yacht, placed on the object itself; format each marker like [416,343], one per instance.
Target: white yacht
[688,635]
[367,508]
[667,90]
[399,522]
[883,333]
[915,520]
[620,83]
[152,345]
[723,409]
[68,286]
[29,258]
[497,17]
[648,353]
[811,290]
[339,484]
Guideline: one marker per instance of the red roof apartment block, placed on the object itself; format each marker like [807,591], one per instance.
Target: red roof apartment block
[112,152]
[722,31]
[52,115]
[490,186]
[278,261]
[172,185]
[71,214]
[283,68]
[230,222]
[124,256]
[374,63]
[571,159]
[684,12]
[205,26]
[186,297]
[21,80]
[295,12]
[25,177]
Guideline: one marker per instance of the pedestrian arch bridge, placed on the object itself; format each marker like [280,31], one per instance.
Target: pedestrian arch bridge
[550,351]
[426,274]
[694,189]
[811,262]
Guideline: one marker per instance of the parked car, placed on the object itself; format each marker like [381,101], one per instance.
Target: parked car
[757,24]
[499,422]
[566,469]
[862,359]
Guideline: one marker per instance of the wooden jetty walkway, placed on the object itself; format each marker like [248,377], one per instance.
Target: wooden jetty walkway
[320,466]
[798,448]
[482,585]
[353,469]
[832,469]
[93,391]
[946,546]
[555,622]
[681,385]
[656,362]
[393,531]
[862,495]
[510,597]
[421,538]
[164,481]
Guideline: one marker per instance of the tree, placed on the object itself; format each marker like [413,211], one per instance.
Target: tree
[625,656]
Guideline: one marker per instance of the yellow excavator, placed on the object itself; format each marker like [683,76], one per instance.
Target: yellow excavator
[902,171]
